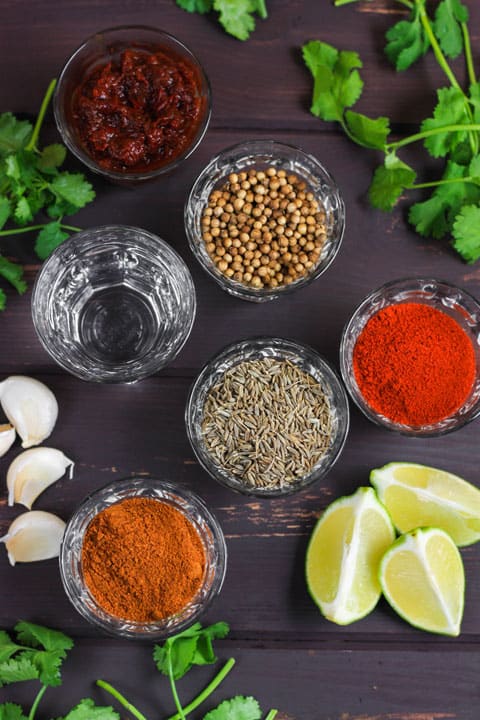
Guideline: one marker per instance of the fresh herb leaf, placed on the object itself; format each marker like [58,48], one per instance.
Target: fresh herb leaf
[14,134]
[389,182]
[407,40]
[3,299]
[190,647]
[50,237]
[73,188]
[13,273]
[448,16]
[200,6]
[52,157]
[10,711]
[238,708]
[337,82]
[237,16]
[18,669]
[87,710]
[369,132]
[5,210]
[466,233]
[450,110]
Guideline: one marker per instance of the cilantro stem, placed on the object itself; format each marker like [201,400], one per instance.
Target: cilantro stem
[178,704]
[32,145]
[447,181]
[211,687]
[30,228]
[434,131]
[271,714]
[468,53]
[121,699]
[36,702]
[435,46]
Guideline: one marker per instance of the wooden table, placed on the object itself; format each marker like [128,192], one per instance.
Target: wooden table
[288,656]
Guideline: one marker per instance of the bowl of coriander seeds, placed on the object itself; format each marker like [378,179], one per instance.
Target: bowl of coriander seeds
[264,218]
[267,417]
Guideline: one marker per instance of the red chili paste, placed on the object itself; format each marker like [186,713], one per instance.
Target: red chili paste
[139,112]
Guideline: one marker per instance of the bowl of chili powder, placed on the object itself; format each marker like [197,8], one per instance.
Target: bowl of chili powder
[142,558]
[410,357]
[132,103]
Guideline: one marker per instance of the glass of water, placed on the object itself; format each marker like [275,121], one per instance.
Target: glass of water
[113,304]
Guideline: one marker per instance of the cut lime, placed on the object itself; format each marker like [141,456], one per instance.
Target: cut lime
[344,554]
[422,578]
[419,496]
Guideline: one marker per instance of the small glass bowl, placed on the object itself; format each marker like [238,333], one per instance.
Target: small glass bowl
[258,154]
[106,46]
[451,300]
[179,498]
[113,304]
[307,360]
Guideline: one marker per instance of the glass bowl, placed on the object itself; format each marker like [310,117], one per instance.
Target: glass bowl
[113,304]
[310,362]
[258,155]
[438,294]
[106,155]
[183,500]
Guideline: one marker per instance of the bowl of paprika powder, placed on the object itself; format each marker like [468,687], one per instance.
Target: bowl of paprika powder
[410,357]
[142,558]
[132,103]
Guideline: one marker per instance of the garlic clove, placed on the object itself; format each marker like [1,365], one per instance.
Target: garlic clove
[33,471]
[34,535]
[7,438]
[30,406]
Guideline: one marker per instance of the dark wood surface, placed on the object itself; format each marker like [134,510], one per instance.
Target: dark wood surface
[287,654]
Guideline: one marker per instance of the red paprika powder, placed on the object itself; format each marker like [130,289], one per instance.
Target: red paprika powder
[142,559]
[414,364]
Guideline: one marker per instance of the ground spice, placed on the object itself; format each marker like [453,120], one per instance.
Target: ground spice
[142,559]
[414,364]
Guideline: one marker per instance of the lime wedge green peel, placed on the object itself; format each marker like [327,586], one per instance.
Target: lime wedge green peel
[420,496]
[422,578]
[344,555]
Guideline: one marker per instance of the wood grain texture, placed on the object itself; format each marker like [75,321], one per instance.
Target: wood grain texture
[287,654]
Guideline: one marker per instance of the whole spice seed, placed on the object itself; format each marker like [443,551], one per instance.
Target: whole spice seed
[142,559]
[264,228]
[267,422]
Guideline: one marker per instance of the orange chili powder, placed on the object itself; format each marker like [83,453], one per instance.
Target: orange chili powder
[414,364]
[142,559]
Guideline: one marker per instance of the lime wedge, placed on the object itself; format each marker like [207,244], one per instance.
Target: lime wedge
[419,496]
[422,578]
[344,554]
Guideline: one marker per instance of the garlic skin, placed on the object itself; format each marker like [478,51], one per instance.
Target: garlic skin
[7,438]
[30,407]
[33,471]
[34,535]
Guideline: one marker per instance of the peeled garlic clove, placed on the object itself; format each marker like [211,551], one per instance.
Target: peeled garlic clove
[7,438]
[34,535]
[30,406]
[33,471]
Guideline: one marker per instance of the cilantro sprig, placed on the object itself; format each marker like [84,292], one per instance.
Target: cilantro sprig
[237,17]
[452,203]
[31,182]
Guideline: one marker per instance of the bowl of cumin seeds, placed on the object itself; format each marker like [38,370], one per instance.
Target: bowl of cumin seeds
[267,416]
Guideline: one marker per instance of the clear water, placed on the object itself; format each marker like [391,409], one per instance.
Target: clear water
[118,324]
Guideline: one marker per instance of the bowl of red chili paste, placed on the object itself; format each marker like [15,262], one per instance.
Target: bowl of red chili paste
[410,357]
[132,103]
[142,558]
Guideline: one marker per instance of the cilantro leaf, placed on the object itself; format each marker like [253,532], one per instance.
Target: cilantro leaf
[236,16]
[5,210]
[389,182]
[200,6]
[49,237]
[72,187]
[190,647]
[3,299]
[7,646]
[87,710]
[238,708]
[337,82]
[448,16]
[52,157]
[466,233]
[14,134]
[23,212]
[429,217]
[10,711]
[368,132]
[13,273]
[18,669]
[450,110]
[407,41]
